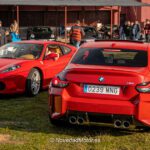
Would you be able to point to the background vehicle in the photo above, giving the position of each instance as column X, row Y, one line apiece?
column 104, row 33
column 90, row 33
column 105, row 82
column 40, row 32
column 115, row 32
column 28, row 66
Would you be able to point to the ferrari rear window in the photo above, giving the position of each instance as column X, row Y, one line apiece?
column 111, row 57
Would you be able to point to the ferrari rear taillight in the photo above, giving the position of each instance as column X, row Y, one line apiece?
column 56, row 82
column 143, row 87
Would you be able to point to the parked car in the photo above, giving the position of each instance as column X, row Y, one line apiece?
column 40, row 32
column 115, row 32
column 90, row 34
column 28, row 66
column 105, row 82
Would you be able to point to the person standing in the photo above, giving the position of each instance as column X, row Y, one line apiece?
column 2, row 34
column 76, row 34
column 136, row 30
column 122, row 35
column 15, row 37
column 15, row 26
column 100, row 30
column 98, row 25
column 131, row 33
column 147, row 31
column 127, row 30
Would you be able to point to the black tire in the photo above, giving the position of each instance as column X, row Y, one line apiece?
column 33, row 83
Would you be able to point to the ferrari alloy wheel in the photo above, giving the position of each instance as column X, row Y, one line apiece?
column 33, row 82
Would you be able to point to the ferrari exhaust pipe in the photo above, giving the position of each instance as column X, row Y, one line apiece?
column 125, row 124
column 117, row 123
column 80, row 120
column 73, row 120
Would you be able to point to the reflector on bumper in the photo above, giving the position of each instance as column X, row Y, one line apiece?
column 57, row 104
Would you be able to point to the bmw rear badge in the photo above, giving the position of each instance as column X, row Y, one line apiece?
column 101, row 79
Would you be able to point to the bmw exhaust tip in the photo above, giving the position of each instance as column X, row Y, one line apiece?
column 125, row 124
column 73, row 120
column 117, row 123
column 80, row 120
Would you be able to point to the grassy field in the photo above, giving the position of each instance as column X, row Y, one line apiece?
column 24, row 125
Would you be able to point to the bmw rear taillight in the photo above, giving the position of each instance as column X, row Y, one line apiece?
column 143, row 87
column 56, row 82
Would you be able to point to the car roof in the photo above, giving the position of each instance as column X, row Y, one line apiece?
column 40, row 42
column 117, row 44
column 40, row 27
column 35, row 27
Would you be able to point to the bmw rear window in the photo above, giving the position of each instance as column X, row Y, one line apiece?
column 111, row 57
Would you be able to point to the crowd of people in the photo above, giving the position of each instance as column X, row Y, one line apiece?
column 134, row 31
column 127, row 31
column 10, row 35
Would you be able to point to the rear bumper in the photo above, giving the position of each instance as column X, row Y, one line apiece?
column 101, row 118
column 96, row 105
column 99, row 106
column 64, row 103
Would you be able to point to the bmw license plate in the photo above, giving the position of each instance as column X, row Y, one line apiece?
column 101, row 89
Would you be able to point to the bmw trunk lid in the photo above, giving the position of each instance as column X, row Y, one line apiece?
column 105, row 82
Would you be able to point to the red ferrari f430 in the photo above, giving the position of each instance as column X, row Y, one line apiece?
column 28, row 66
column 105, row 82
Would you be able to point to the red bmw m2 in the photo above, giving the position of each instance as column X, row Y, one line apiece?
column 105, row 82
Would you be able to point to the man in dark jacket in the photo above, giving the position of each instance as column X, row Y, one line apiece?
column 136, row 30
column 76, row 34
column 2, row 34
column 127, row 30
column 122, row 35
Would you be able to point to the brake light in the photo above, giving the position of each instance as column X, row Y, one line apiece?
column 143, row 87
column 56, row 82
